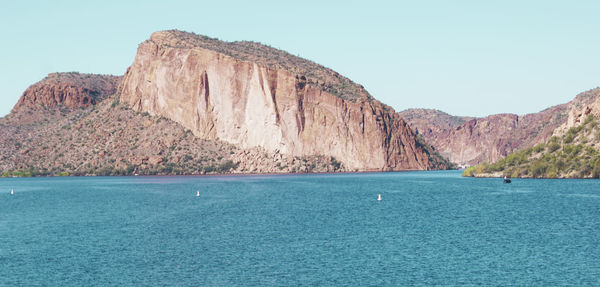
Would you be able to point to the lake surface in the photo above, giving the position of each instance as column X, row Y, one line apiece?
column 431, row 228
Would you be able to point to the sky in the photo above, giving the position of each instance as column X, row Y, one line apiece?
column 467, row 58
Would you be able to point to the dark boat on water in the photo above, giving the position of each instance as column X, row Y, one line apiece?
column 507, row 180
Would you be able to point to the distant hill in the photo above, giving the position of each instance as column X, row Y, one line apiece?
column 470, row 141
column 430, row 122
column 70, row 90
column 572, row 152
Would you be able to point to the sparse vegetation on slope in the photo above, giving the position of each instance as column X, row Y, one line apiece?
column 68, row 90
column 572, row 155
column 315, row 75
column 437, row 160
column 111, row 139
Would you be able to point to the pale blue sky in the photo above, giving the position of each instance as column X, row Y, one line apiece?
column 464, row 57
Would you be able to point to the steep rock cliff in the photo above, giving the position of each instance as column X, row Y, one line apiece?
column 584, row 104
column 490, row 138
column 484, row 139
column 236, row 93
column 70, row 90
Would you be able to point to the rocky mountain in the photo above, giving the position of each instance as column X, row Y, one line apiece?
column 585, row 104
column 251, row 95
column 470, row 141
column 69, row 90
column 572, row 154
column 573, row 151
column 109, row 138
column 191, row 105
column 429, row 122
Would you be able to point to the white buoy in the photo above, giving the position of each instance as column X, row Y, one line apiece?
column 12, row 191
column 197, row 193
column 379, row 197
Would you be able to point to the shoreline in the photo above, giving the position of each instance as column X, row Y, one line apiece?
column 236, row 174
column 529, row 177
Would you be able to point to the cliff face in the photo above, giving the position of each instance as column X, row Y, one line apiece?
column 572, row 152
column 584, row 105
column 111, row 139
column 71, row 90
column 279, row 107
column 472, row 141
column 485, row 139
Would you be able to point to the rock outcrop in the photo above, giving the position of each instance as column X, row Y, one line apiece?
column 238, row 93
column 585, row 104
column 71, row 90
column 472, row 141
column 574, row 153
column 485, row 139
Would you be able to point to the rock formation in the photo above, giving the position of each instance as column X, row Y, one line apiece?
column 195, row 105
column 111, row 139
column 484, row 139
column 470, row 141
column 572, row 152
column 71, row 90
column 429, row 123
column 585, row 104
column 251, row 95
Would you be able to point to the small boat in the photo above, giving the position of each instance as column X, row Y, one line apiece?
column 379, row 197
column 197, row 193
column 12, row 191
column 507, row 180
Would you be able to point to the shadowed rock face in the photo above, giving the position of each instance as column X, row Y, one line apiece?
column 71, row 90
column 250, row 102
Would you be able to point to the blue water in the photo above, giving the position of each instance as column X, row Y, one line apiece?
column 431, row 228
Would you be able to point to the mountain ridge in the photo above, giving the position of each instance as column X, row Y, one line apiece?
column 71, row 90
column 114, row 132
column 489, row 138
column 174, row 75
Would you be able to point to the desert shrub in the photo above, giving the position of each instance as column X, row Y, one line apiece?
column 569, row 138
column 553, row 146
column 586, row 169
column 469, row 171
column 335, row 163
column 497, row 166
column 596, row 168
column 588, row 120
column 226, row 166
column 568, row 149
column 551, row 174
column 539, row 148
column 538, row 168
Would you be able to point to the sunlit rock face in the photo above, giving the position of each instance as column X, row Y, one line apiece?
column 252, row 102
